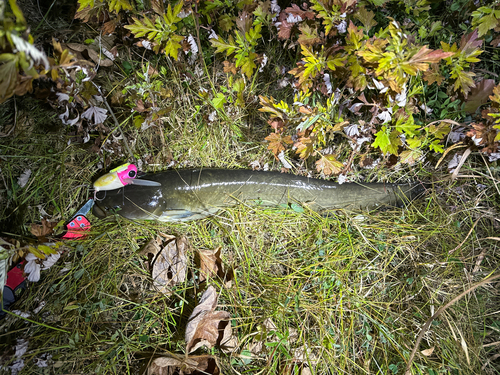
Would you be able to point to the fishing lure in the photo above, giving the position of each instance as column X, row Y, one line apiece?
column 119, row 177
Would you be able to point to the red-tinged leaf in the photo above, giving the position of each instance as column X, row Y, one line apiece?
column 427, row 56
column 479, row 95
column 296, row 11
column 470, row 42
column 285, row 30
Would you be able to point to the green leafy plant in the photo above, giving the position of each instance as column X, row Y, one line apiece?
column 161, row 31
column 241, row 47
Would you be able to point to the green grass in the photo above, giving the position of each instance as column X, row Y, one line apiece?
column 345, row 294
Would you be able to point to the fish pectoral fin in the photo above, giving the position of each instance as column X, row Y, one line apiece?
column 185, row 215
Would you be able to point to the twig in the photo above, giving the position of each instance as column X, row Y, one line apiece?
column 439, row 312
column 462, row 161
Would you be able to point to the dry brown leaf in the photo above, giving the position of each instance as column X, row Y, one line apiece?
column 210, row 263
column 194, row 365
column 207, row 327
column 44, row 229
column 427, row 352
column 229, row 67
column 170, row 261
column 108, row 27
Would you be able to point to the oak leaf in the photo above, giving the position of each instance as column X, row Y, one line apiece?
column 278, row 142
column 207, row 327
column 366, row 17
column 296, row 11
column 285, row 30
column 210, row 265
column 433, row 75
column 43, row 230
column 169, row 264
column 229, row 67
column 201, row 364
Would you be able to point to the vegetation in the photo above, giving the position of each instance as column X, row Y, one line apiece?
column 367, row 90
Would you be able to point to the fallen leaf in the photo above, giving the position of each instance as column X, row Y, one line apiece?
column 479, row 95
column 44, row 229
column 229, row 67
column 210, row 265
column 427, row 352
column 169, row 265
column 194, row 365
column 410, row 156
column 108, row 27
column 207, row 327
column 296, row 11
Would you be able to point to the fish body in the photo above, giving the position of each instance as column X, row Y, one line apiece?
column 194, row 194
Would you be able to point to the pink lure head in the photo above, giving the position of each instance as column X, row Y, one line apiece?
column 127, row 174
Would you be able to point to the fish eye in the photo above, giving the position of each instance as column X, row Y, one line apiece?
column 131, row 174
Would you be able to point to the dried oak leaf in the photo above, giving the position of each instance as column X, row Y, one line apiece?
column 285, row 28
column 193, row 365
column 328, row 164
column 210, row 265
column 207, row 327
column 43, row 230
column 278, row 142
column 108, row 27
column 169, row 263
column 296, row 11
column 229, row 67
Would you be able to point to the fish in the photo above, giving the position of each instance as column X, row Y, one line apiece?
column 192, row 194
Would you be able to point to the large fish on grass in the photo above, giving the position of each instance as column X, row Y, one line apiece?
column 194, row 194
